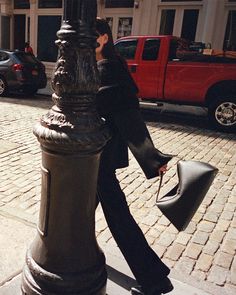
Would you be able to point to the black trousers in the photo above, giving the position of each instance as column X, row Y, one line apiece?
column 146, row 266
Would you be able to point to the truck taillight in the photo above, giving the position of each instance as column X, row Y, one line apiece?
column 17, row 67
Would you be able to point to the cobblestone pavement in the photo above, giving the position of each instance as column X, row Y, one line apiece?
column 203, row 254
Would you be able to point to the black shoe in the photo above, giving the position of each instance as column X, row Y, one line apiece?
column 162, row 288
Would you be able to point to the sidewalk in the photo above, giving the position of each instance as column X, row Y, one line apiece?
column 203, row 256
column 15, row 237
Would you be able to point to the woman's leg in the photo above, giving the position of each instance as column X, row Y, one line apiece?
column 146, row 266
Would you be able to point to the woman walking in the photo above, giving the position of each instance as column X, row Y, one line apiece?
column 117, row 103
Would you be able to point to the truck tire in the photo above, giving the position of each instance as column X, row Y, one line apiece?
column 222, row 113
column 3, row 87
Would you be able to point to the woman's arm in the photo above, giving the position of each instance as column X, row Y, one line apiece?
column 133, row 130
column 117, row 100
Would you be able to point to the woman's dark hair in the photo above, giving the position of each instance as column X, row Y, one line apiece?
column 102, row 27
column 109, row 52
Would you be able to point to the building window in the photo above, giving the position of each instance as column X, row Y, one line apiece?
column 151, row 49
column 119, row 3
column 47, row 50
column 127, row 49
column 189, row 26
column 110, row 22
column 21, row 4
column 50, row 3
column 124, row 26
column 230, row 33
column 167, row 21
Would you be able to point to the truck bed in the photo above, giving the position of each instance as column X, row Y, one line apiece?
column 199, row 57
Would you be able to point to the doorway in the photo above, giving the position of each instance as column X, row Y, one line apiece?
column 179, row 21
column 230, row 32
column 19, row 31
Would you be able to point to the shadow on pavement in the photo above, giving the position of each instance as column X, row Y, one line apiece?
column 184, row 122
column 176, row 117
column 120, row 278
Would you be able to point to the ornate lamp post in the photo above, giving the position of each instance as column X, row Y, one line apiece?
column 64, row 257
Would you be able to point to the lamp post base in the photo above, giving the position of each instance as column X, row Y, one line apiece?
column 64, row 258
column 37, row 281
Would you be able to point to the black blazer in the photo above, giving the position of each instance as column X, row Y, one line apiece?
column 117, row 102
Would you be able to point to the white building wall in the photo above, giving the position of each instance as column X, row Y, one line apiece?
column 213, row 15
column 212, row 19
column 213, row 23
column 33, row 24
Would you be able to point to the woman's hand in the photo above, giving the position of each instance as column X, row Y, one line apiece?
column 163, row 169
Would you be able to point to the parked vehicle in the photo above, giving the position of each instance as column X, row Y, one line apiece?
column 21, row 71
column 165, row 70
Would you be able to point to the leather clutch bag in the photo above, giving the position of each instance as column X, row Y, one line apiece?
column 180, row 204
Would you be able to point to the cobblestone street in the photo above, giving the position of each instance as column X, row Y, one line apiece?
column 203, row 255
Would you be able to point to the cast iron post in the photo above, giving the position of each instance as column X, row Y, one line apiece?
column 64, row 257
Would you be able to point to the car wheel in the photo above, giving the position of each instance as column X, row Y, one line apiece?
column 3, row 87
column 222, row 113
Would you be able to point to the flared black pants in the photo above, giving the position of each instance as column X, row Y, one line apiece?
column 146, row 266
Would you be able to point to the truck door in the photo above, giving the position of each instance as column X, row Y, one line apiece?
column 148, row 69
column 127, row 48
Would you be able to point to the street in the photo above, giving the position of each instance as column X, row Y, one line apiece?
column 203, row 255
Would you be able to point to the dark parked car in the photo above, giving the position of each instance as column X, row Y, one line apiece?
column 21, row 71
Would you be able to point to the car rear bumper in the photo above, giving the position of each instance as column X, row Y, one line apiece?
column 19, row 84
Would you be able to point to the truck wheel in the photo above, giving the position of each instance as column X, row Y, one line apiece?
column 3, row 87
column 222, row 113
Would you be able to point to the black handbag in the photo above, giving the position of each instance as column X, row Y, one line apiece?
column 180, row 204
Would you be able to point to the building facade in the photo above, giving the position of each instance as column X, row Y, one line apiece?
column 37, row 21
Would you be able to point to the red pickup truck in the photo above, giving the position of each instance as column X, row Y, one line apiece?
column 165, row 71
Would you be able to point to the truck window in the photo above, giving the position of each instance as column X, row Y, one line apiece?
column 177, row 46
column 173, row 49
column 127, row 48
column 151, row 49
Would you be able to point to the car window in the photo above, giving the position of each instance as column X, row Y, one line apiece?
column 151, row 49
column 3, row 56
column 25, row 57
column 127, row 48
